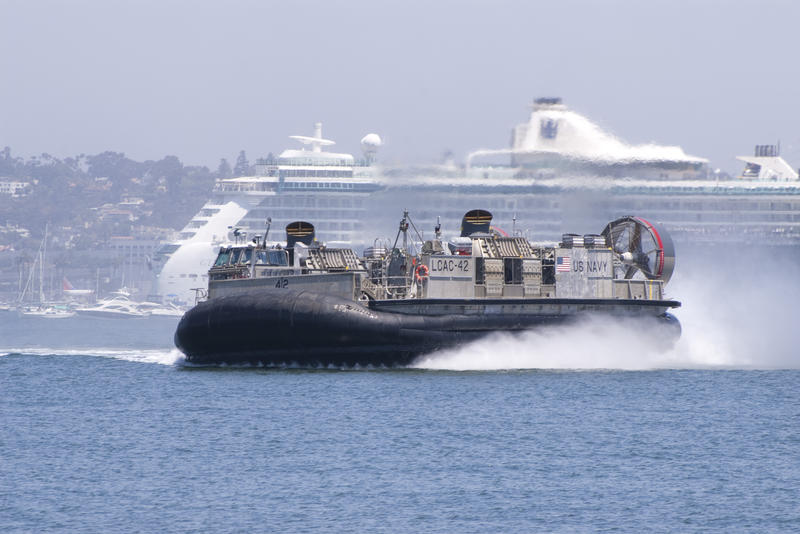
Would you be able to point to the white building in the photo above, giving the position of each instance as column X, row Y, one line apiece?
column 14, row 188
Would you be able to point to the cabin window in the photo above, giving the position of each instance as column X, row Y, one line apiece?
column 246, row 255
column 278, row 257
column 223, row 258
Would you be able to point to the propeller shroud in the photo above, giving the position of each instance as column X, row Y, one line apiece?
column 641, row 247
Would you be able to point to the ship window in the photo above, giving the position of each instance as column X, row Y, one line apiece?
column 246, row 255
column 223, row 258
column 278, row 257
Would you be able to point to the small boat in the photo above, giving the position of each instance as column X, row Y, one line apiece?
column 48, row 312
column 310, row 305
column 160, row 310
column 117, row 307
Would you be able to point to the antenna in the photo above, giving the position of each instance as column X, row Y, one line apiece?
column 236, row 233
column 316, row 142
column 404, row 230
column 269, row 223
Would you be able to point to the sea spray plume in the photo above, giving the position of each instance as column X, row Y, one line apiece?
column 596, row 342
column 740, row 306
column 739, row 312
column 157, row 356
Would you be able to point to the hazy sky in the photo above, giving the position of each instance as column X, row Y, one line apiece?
column 202, row 79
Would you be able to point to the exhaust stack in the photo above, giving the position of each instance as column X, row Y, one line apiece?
column 476, row 222
column 299, row 231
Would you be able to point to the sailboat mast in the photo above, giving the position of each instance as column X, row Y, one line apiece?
column 42, row 255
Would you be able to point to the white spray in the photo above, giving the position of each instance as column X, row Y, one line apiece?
column 157, row 356
column 739, row 312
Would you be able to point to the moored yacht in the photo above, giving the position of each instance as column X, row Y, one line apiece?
column 119, row 306
column 48, row 312
column 155, row 309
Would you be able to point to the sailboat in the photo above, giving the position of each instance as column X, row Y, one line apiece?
column 44, row 310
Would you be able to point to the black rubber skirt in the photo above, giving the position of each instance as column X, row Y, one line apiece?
column 305, row 329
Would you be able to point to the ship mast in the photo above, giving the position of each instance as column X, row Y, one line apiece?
column 316, row 142
column 42, row 254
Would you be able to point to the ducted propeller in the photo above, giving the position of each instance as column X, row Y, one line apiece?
column 641, row 247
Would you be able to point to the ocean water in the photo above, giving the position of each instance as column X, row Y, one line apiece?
column 104, row 428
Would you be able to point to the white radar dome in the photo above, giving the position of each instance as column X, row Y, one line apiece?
column 371, row 141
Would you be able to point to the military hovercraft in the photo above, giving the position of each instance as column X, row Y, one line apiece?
column 309, row 305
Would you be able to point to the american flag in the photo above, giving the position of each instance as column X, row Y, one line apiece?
column 563, row 264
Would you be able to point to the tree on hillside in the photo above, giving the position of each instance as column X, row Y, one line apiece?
column 9, row 165
column 224, row 169
column 51, row 171
column 171, row 170
column 242, row 167
column 113, row 165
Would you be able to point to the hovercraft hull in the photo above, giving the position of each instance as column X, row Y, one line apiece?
column 307, row 329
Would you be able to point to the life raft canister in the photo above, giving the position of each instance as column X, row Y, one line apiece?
column 421, row 273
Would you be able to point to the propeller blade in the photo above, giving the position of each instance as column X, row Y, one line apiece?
column 643, row 262
column 636, row 245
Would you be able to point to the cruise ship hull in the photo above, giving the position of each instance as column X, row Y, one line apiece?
column 306, row 329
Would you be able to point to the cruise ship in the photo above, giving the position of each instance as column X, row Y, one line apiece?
column 309, row 183
column 561, row 170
